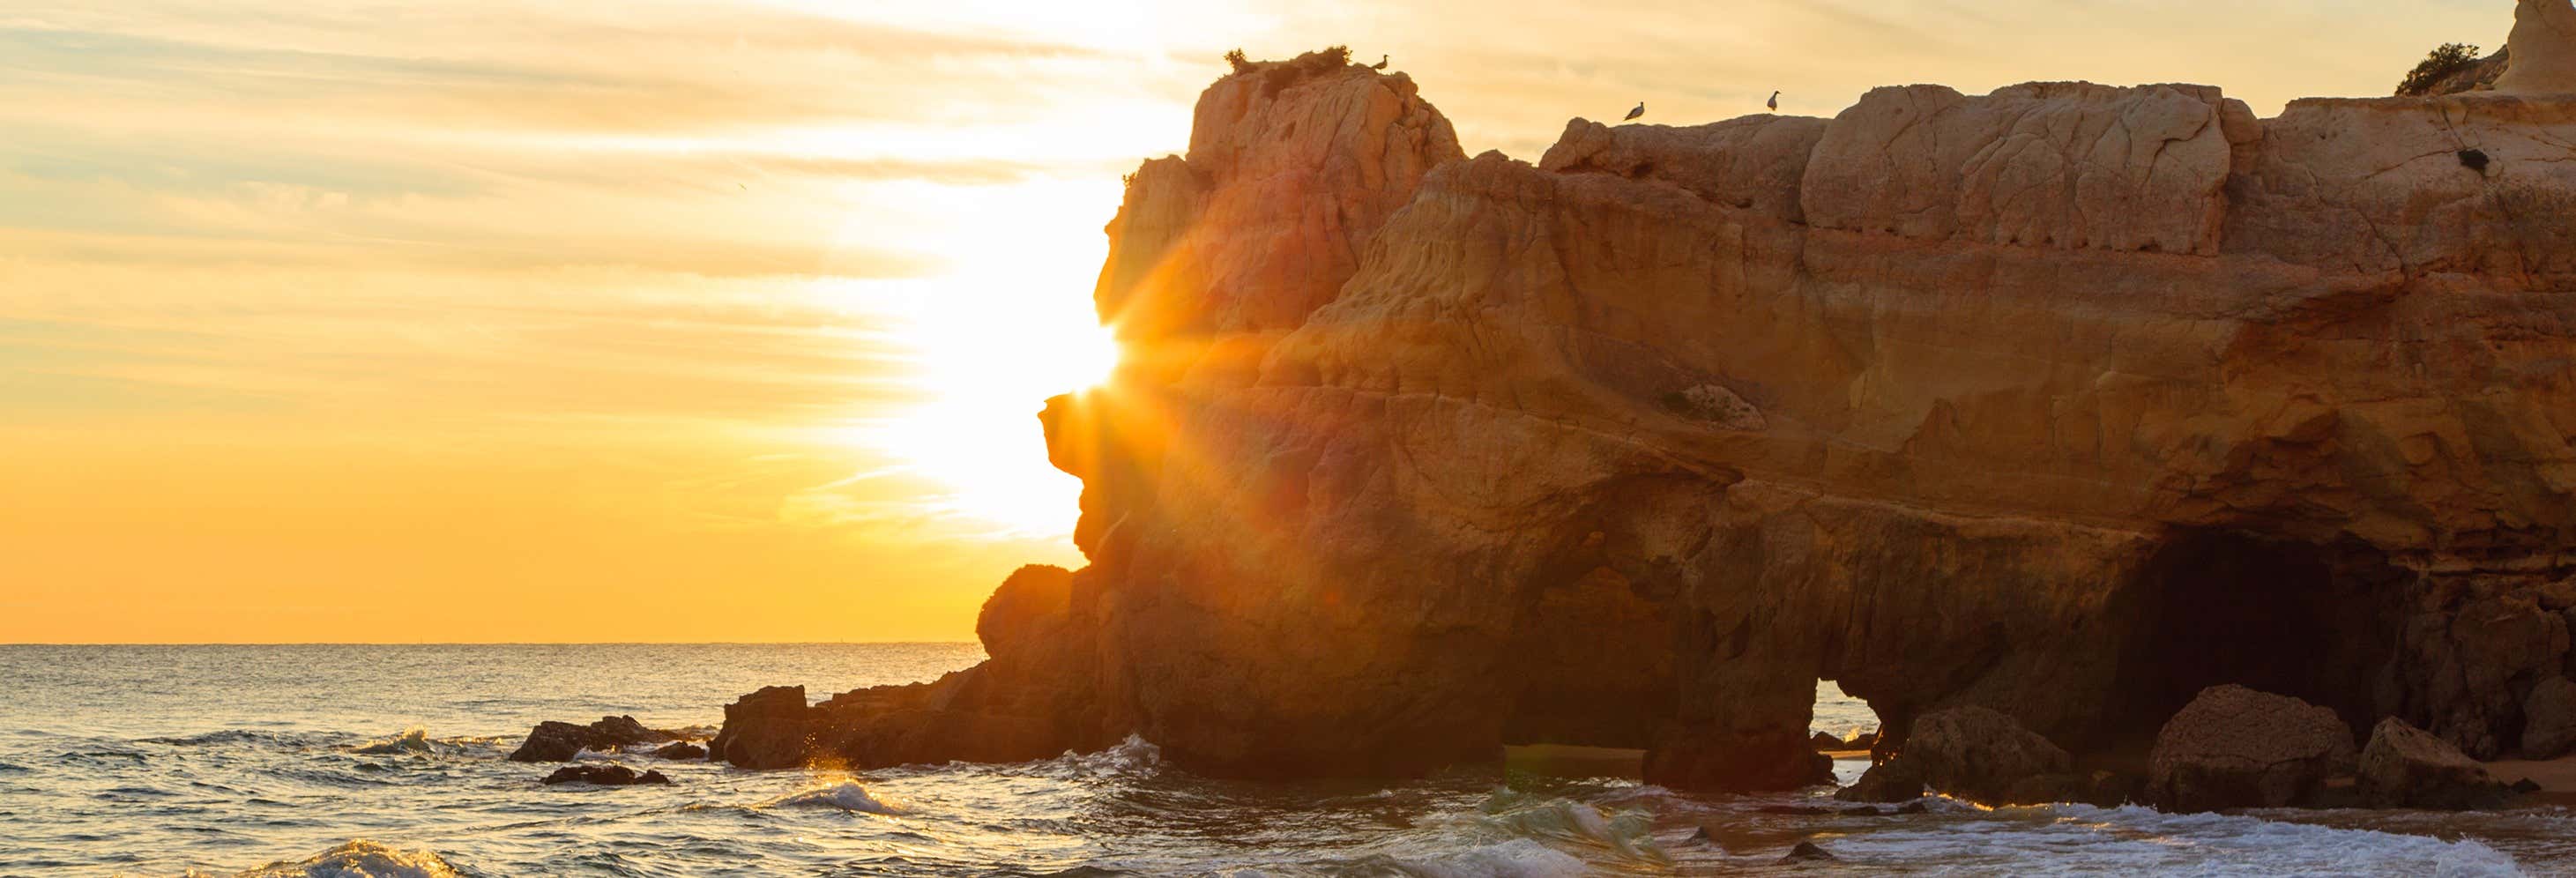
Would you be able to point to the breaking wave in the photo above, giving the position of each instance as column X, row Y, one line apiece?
column 846, row 795
column 357, row 859
column 413, row 740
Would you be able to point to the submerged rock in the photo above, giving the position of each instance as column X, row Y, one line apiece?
column 2405, row 766
column 1808, row 852
column 681, row 750
column 1979, row 753
column 561, row 741
column 2234, row 747
column 610, row 775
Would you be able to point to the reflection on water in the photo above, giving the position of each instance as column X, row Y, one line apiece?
column 154, row 760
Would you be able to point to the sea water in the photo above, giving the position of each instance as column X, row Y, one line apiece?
column 386, row 761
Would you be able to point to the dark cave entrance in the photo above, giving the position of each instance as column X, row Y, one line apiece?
column 2215, row 607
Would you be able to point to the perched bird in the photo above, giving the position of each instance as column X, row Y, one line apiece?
column 1775, row 101
column 1380, row 65
column 1639, row 111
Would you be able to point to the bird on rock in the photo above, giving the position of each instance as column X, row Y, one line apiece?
column 1380, row 65
column 1639, row 111
column 1774, row 103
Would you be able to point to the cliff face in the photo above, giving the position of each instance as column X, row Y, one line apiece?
column 2066, row 400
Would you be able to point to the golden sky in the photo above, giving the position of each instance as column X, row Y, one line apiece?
column 643, row 321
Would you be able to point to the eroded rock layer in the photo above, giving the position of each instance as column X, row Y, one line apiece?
column 2067, row 401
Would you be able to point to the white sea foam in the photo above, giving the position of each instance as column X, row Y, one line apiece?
column 1516, row 858
column 2085, row 840
column 357, row 859
column 846, row 795
column 1130, row 757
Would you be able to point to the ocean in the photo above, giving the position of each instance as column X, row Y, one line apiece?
column 386, row 761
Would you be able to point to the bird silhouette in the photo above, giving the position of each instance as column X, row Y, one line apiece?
column 1380, row 65
column 1639, row 111
column 1775, row 101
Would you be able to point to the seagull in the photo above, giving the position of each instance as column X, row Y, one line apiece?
column 1775, row 100
column 1380, row 65
column 1639, row 111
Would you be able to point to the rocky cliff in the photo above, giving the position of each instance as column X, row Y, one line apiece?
column 2066, row 401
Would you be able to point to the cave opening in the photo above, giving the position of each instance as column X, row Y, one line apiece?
column 2217, row 607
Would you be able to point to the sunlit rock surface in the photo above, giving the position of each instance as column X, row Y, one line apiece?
column 2068, row 401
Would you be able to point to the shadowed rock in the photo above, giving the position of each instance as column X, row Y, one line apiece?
column 2407, row 766
column 1895, row 780
column 2233, row 747
column 560, row 741
column 1982, row 754
column 604, row 775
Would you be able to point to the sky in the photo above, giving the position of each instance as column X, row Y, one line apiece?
column 643, row 321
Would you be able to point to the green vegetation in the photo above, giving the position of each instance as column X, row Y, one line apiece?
column 2445, row 60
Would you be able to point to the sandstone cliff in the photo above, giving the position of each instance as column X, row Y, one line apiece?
column 2067, row 401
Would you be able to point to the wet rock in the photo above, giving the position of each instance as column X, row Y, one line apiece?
column 561, row 741
column 765, row 729
column 1808, row 852
column 1795, row 810
column 1979, row 753
column 2111, row 789
column 2525, row 787
column 2338, row 792
column 1895, row 780
column 2549, row 719
column 681, row 750
column 2405, row 766
column 611, row 775
column 1913, row 807
column 2234, row 747
column 2042, row 789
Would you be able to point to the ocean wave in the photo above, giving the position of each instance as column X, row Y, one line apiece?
column 2083, row 840
column 1516, row 858
column 412, row 740
column 357, row 859
column 1134, row 756
column 846, row 795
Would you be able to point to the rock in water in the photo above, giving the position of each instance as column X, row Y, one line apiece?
column 681, row 750
column 1808, row 852
column 560, row 741
column 2405, row 766
column 1980, row 753
column 2068, row 400
column 2234, row 747
column 604, row 775
column 2549, row 719
column 765, row 729
column 1895, row 780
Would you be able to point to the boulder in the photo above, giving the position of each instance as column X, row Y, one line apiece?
column 610, row 775
column 1979, row 753
column 2111, row 789
column 1823, row 741
column 2234, row 747
column 560, row 741
column 2405, row 766
column 2543, row 48
column 2549, row 719
column 765, row 729
column 1895, row 780
column 681, row 750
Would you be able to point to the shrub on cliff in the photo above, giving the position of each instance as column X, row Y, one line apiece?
column 2447, row 59
column 1234, row 58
